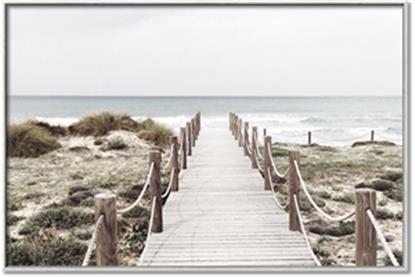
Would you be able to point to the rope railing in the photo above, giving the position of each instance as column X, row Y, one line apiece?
column 310, row 199
column 105, row 242
column 303, row 231
column 150, row 227
column 274, row 168
column 367, row 228
column 137, row 201
column 382, row 239
column 167, row 192
column 274, row 193
column 92, row 241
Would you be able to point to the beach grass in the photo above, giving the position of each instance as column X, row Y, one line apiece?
column 27, row 140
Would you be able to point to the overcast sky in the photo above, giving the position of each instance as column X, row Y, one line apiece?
column 277, row 51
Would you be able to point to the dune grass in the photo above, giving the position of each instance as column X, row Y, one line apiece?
column 27, row 140
column 101, row 124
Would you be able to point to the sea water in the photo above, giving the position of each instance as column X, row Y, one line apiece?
column 332, row 120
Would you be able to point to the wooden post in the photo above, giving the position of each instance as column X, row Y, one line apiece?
column 189, row 138
column 309, row 137
column 246, row 139
column 372, row 135
column 265, row 134
column 240, row 137
column 107, row 239
column 184, row 148
column 155, row 191
column 193, row 124
column 254, row 136
column 235, row 131
column 230, row 121
column 175, row 164
column 365, row 232
column 267, row 163
column 199, row 123
column 294, row 188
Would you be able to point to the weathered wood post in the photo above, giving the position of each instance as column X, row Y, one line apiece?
column 189, row 138
column 235, row 131
column 107, row 239
column 372, row 135
column 184, row 148
column 265, row 134
column 230, row 121
column 254, row 136
column 155, row 191
column 175, row 164
column 309, row 137
column 365, row 232
column 240, row 136
column 246, row 139
column 199, row 123
column 194, row 134
column 294, row 189
column 267, row 163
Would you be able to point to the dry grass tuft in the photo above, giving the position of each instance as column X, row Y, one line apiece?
column 26, row 140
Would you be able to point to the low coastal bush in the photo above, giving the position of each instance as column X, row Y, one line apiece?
column 55, row 130
column 50, row 252
column 26, row 140
column 101, row 124
column 375, row 142
column 158, row 134
column 60, row 218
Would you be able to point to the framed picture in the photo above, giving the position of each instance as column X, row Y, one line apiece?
column 212, row 136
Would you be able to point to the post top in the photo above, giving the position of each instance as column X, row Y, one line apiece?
column 105, row 195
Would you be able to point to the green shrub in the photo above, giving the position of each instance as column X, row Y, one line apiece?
column 376, row 142
column 53, row 130
column 101, row 124
column 28, row 141
column 51, row 252
column 158, row 134
column 61, row 218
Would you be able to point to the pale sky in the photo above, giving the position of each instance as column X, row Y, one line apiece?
column 181, row 50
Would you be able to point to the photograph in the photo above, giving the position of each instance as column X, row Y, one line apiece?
column 200, row 137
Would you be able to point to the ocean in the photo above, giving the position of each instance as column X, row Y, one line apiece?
column 333, row 121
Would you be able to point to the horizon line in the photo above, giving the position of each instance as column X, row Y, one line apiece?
column 194, row 96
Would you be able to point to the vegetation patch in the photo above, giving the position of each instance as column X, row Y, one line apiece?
column 60, row 218
column 336, row 230
column 13, row 219
column 50, row 252
column 158, row 134
column 55, row 130
column 278, row 151
column 26, row 140
column 375, row 142
column 101, row 124
column 345, row 197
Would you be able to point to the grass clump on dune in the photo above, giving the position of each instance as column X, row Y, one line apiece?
column 156, row 133
column 101, row 124
column 51, row 252
column 60, row 218
column 27, row 140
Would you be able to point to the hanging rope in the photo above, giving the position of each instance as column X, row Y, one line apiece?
column 382, row 238
column 93, row 241
column 279, row 175
column 274, row 194
column 320, row 211
column 150, row 226
column 167, row 192
column 303, row 231
column 137, row 201
column 168, row 164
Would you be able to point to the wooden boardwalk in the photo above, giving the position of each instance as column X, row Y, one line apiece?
column 222, row 216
